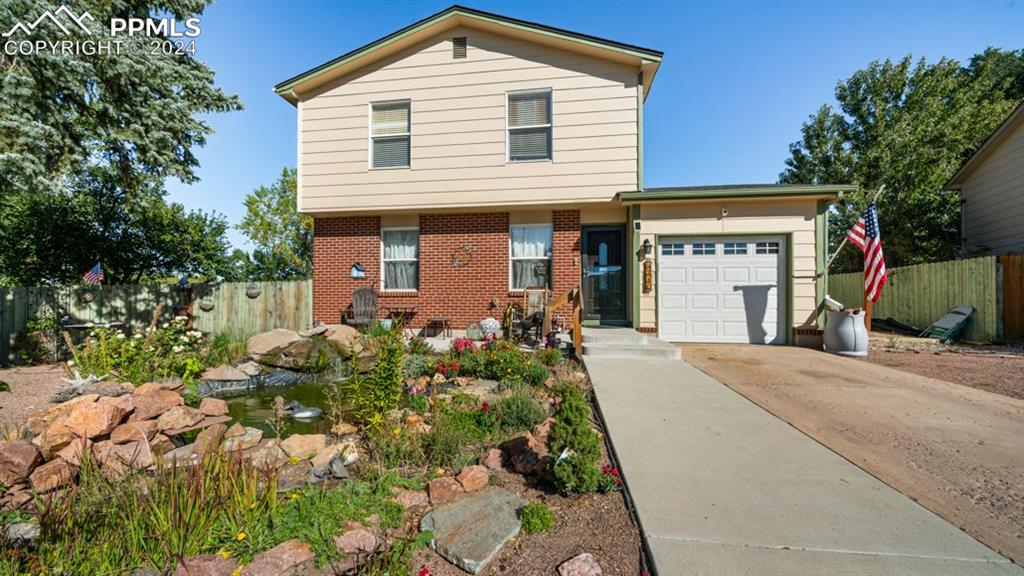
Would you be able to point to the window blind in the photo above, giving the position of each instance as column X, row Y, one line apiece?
column 529, row 126
column 390, row 134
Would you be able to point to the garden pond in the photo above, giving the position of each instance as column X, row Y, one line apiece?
column 255, row 406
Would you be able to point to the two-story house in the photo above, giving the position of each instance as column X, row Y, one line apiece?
column 468, row 156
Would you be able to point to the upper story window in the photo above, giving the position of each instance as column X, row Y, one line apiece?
column 389, row 134
column 529, row 125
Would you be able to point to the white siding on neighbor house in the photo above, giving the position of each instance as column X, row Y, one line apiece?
column 753, row 217
column 994, row 199
column 458, row 129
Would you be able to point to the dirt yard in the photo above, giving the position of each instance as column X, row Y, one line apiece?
column 31, row 389
column 957, row 450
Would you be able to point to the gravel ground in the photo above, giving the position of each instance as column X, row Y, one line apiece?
column 954, row 449
column 595, row 523
column 31, row 389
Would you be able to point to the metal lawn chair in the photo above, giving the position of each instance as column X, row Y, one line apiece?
column 949, row 327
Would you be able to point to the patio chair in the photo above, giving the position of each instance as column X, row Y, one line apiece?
column 364, row 307
column 949, row 327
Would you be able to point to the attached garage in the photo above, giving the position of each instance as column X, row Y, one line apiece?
column 730, row 264
column 722, row 289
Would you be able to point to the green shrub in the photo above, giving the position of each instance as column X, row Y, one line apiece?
column 394, row 447
column 418, row 346
column 417, row 365
column 379, row 391
column 534, row 373
column 456, row 437
column 536, row 517
column 38, row 342
column 225, row 347
column 167, row 350
column 518, row 412
column 571, row 433
column 418, row 403
column 549, row 357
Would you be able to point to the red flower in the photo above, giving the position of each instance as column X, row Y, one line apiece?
column 485, row 407
column 424, row 572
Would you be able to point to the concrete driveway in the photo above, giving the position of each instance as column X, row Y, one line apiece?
column 956, row 450
column 722, row 487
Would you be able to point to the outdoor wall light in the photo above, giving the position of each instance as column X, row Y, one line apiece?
column 648, row 247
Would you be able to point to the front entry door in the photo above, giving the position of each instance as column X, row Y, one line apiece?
column 604, row 274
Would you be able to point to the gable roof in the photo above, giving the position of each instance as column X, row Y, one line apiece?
column 1012, row 122
column 645, row 58
column 734, row 191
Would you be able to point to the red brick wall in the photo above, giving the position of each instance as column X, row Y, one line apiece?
column 462, row 293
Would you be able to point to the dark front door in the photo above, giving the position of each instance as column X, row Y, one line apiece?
column 604, row 274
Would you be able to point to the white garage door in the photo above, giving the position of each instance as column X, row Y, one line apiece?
column 722, row 289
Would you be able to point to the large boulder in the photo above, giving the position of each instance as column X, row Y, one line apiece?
column 470, row 531
column 288, row 558
column 343, row 338
column 303, row 445
column 95, row 419
column 40, row 421
column 224, row 372
column 154, row 402
column 17, row 460
column 270, row 343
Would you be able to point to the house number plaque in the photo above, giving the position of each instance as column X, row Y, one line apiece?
column 648, row 276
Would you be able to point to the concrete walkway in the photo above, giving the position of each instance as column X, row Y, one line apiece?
column 724, row 488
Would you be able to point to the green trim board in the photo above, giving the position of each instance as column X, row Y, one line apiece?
column 456, row 10
column 634, row 248
column 732, row 191
column 820, row 256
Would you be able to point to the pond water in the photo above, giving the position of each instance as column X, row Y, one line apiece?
column 255, row 407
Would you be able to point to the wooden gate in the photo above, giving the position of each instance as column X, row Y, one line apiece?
column 1013, row 296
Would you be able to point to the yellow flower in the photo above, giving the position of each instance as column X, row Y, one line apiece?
column 294, row 496
column 237, row 571
column 252, row 506
column 397, row 431
column 224, row 553
column 295, row 459
column 240, row 536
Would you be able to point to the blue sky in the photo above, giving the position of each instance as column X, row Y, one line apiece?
column 737, row 80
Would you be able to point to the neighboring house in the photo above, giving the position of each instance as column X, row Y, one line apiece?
column 468, row 156
column 991, row 186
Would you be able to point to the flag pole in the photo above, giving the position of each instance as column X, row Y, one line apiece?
column 867, row 302
column 845, row 238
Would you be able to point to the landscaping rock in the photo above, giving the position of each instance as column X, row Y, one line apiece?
column 443, row 490
column 313, row 331
column 473, row 478
column 181, row 456
column 541, row 431
column 493, row 459
column 54, row 439
column 438, row 379
column 224, row 372
column 337, row 468
column 209, row 439
column 94, row 419
column 267, row 343
column 21, row 534
column 76, row 450
column 161, row 445
column 179, row 417
column 235, row 430
column 250, row 437
column 470, row 531
column 295, row 475
column 409, row 499
column 149, row 387
column 206, row 565
column 123, row 456
column 52, row 475
column 349, row 450
column 154, row 402
column 323, row 458
column 250, row 368
column 204, row 423
column 17, row 460
column 134, row 431
column 213, row 407
column 357, row 541
column 481, row 389
column 343, row 338
column 113, row 389
column 40, row 421
column 414, row 423
column 306, row 355
column 267, row 454
column 344, row 429
column 144, row 571
column 582, row 565
column 303, row 445
column 288, row 558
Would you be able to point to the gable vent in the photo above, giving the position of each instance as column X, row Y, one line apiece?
column 459, row 47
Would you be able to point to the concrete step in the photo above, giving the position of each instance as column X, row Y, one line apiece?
column 613, row 335
column 653, row 348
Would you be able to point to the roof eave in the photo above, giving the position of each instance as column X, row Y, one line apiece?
column 667, row 195
column 649, row 58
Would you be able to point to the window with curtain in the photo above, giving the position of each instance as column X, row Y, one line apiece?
column 529, row 126
column 531, row 256
column 389, row 135
column 401, row 259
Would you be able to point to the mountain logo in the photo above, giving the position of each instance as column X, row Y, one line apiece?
column 55, row 17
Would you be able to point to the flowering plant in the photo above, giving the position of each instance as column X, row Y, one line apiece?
column 610, row 480
column 460, row 345
column 447, row 369
column 487, row 417
column 169, row 349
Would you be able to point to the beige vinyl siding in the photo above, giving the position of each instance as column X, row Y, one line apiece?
column 994, row 199
column 459, row 154
column 746, row 217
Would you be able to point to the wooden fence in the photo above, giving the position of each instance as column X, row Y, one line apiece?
column 921, row 294
column 1013, row 296
column 278, row 305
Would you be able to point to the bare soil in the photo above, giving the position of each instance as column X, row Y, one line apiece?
column 957, row 450
column 31, row 389
column 595, row 523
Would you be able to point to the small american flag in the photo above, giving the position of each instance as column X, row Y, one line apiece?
column 94, row 276
column 866, row 236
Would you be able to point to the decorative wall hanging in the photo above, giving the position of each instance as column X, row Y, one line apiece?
column 87, row 297
column 252, row 290
column 462, row 256
column 206, row 305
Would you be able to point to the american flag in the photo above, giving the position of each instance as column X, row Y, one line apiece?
column 94, row 276
column 866, row 236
